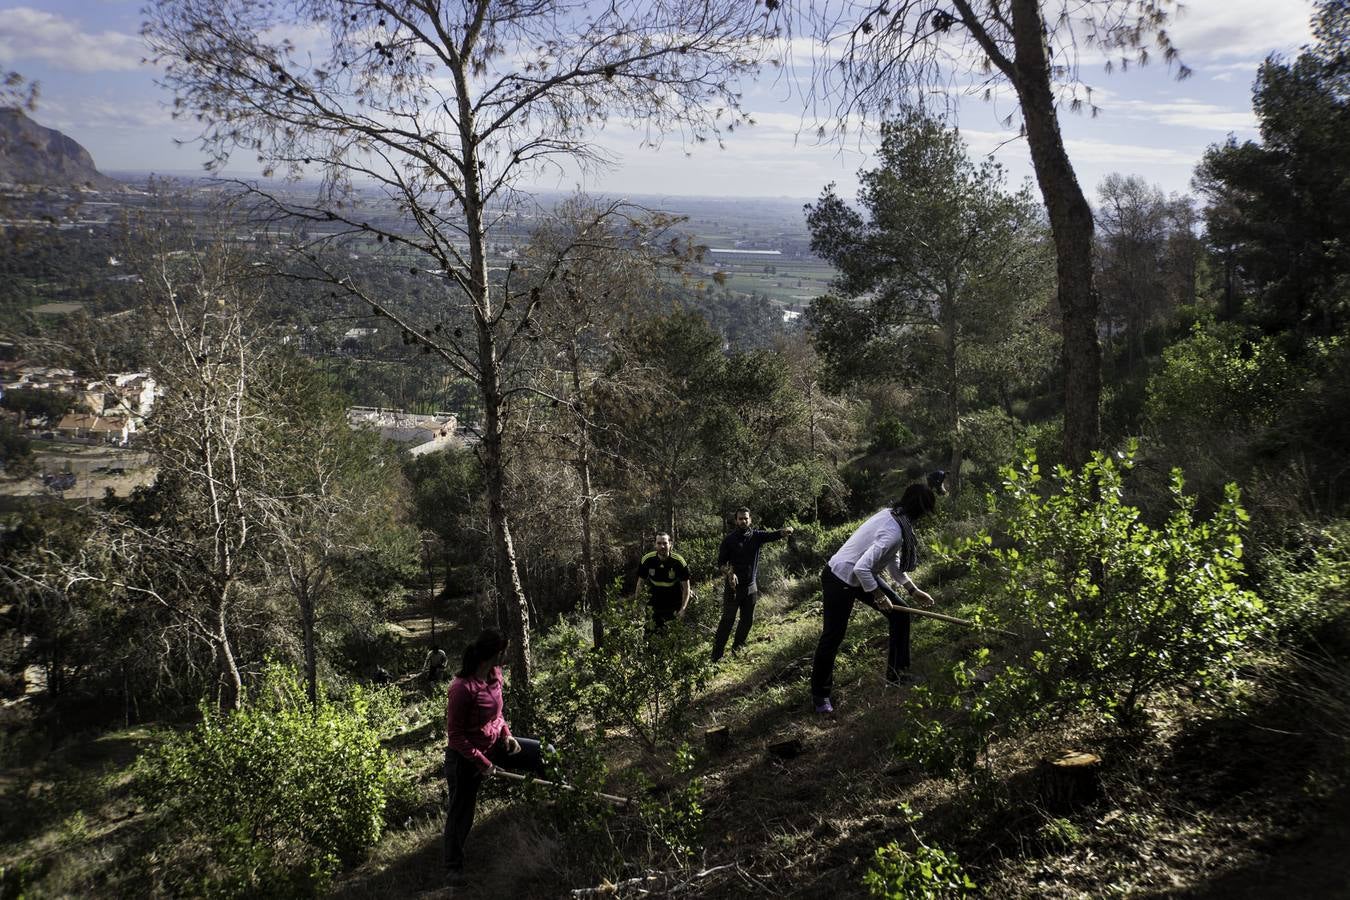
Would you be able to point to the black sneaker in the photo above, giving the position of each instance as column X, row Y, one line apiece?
column 905, row 679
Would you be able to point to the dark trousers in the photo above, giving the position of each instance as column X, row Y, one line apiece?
column 663, row 613
column 464, row 779
column 735, row 599
column 839, row 600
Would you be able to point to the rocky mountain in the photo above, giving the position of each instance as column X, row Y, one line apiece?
column 34, row 154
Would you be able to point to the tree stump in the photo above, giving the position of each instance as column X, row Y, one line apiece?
column 788, row 749
column 717, row 739
column 1069, row 780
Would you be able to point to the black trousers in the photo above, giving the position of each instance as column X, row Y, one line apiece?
column 464, row 779
column 839, row 600
column 739, row 599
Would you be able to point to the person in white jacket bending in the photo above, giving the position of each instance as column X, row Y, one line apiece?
column 884, row 543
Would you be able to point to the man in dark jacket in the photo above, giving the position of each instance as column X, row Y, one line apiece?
column 739, row 558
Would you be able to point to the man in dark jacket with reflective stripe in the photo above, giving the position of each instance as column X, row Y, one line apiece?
column 739, row 559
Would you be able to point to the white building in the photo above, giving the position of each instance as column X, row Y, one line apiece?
column 421, row 434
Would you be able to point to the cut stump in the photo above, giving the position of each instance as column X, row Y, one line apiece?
column 717, row 739
column 1069, row 780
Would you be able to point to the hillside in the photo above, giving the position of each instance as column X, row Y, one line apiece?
column 1215, row 800
column 33, row 154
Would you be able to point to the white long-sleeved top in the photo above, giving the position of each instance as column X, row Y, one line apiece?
column 871, row 550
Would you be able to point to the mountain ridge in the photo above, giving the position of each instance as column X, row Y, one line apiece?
column 33, row 154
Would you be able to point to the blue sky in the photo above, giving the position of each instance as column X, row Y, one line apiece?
column 87, row 57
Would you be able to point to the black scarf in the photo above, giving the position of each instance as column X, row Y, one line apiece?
column 908, row 557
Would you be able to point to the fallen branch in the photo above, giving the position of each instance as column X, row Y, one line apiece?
column 610, row 888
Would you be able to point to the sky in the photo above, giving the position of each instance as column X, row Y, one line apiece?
column 87, row 58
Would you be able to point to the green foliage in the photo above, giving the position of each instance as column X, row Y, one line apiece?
column 944, row 278
column 15, row 450
column 38, row 403
column 993, row 438
column 572, row 703
column 924, row 873
column 273, row 799
column 813, row 544
column 1059, row 834
column 1279, row 210
column 1120, row 608
column 642, row 680
column 1221, row 374
column 948, row 734
column 1308, row 584
column 1112, row 608
column 889, row 433
column 675, row 817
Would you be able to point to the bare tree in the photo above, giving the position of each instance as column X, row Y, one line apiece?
column 597, row 263
column 332, row 496
column 443, row 108
column 205, row 437
column 912, row 48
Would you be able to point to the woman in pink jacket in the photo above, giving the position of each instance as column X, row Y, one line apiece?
column 478, row 741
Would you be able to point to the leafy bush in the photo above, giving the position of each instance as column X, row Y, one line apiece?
column 1120, row 607
column 1110, row 607
column 1220, row 374
column 889, row 433
column 1309, row 584
column 924, row 873
column 575, row 706
column 992, row 438
column 272, row 799
column 948, row 734
column 813, row 545
column 642, row 679
column 675, row 818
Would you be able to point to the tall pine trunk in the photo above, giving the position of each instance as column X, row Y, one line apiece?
column 1072, row 225
column 506, row 577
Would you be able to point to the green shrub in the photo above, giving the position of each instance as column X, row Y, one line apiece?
column 1119, row 608
column 1220, row 374
column 576, row 706
column 924, row 873
column 1059, row 834
column 675, row 817
column 272, row 799
column 889, row 433
column 642, row 680
column 948, row 734
column 813, row 545
column 1109, row 608
column 992, row 438
column 1309, row 584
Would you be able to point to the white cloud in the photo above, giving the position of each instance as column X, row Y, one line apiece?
column 1090, row 150
column 1222, row 29
column 1187, row 114
column 33, row 34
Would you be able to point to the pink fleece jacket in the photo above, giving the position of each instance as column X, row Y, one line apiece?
column 473, row 717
